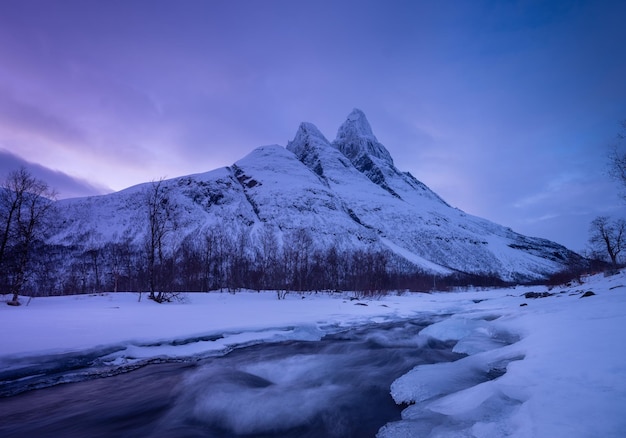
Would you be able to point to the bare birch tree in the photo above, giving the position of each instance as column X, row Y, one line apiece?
column 161, row 222
column 608, row 236
column 25, row 203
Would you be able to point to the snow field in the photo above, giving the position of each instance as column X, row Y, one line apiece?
column 565, row 377
column 555, row 367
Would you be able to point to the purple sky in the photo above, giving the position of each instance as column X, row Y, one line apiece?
column 505, row 109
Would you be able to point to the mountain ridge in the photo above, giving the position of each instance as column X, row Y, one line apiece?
column 346, row 193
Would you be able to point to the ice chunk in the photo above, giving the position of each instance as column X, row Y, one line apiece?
column 464, row 400
column 473, row 335
column 454, row 329
column 426, row 381
column 207, row 345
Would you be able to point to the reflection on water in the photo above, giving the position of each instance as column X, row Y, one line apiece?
column 338, row 386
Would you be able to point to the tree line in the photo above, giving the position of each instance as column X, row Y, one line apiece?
column 218, row 259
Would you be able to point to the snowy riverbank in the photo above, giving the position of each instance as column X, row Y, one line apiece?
column 558, row 363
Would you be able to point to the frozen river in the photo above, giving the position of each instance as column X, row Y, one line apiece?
column 338, row 386
column 472, row 363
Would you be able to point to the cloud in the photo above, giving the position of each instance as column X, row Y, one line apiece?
column 65, row 185
column 487, row 105
column 21, row 117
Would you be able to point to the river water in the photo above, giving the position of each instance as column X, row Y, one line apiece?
column 335, row 387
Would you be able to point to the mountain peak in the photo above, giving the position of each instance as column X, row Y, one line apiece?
column 307, row 144
column 306, row 140
column 357, row 122
column 355, row 138
column 307, row 132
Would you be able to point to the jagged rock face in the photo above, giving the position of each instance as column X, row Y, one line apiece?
column 357, row 142
column 347, row 193
column 307, row 146
column 355, row 139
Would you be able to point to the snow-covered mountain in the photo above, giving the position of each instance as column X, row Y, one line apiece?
column 346, row 193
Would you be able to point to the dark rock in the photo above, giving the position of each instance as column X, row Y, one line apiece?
column 587, row 294
column 537, row 294
column 523, row 304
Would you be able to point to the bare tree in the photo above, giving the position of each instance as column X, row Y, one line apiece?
column 189, row 266
column 333, row 268
column 608, row 236
column 302, row 244
column 94, row 252
column 267, row 256
column 25, row 203
column 161, row 221
column 239, row 261
column 209, row 259
column 118, row 255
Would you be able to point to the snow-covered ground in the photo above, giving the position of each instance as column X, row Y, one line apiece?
column 558, row 363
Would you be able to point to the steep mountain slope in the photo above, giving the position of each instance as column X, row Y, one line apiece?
column 347, row 193
column 412, row 220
